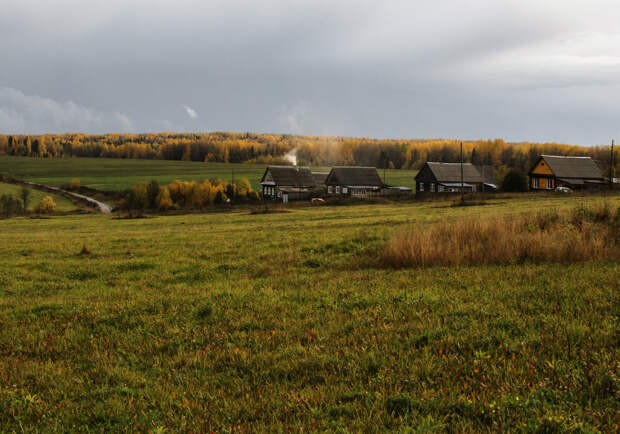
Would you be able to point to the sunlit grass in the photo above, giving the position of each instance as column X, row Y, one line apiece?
column 279, row 321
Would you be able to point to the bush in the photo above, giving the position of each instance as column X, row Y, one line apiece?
column 163, row 200
column 244, row 187
column 152, row 192
column 514, row 181
column 220, row 197
column 10, row 206
column 25, row 196
column 75, row 184
column 47, row 205
column 186, row 194
column 136, row 199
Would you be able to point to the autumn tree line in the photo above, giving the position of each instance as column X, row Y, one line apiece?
column 310, row 150
column 186, row 195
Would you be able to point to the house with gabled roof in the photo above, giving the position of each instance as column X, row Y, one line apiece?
column 287, row 183
column 435, row 177
column 552, row 171
column 353, row 181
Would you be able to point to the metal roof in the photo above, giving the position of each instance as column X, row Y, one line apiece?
column 572, row 167
column 451, row 172
column 288, row 176
column 353, row 176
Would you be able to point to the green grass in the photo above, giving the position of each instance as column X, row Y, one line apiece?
column 62, row 203
column 120, row 174
column 279, row 321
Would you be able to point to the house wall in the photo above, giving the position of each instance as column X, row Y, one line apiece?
column 541, row 177
column 545, row 182
column 541, row 168
column 424, row 179
column 269, row 191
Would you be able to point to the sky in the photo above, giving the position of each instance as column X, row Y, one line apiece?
column 544, row 70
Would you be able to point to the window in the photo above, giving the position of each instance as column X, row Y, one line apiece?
column 421, row 184
column 535, row 182
column 548, row 183
column 330, row 189
column 344, row 190
column 337, row 189
column 439, row 187
column 473, row 188
column 432, row 187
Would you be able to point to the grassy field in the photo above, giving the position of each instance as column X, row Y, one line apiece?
column 281, row 321
column 62, row 203
column 120, row 174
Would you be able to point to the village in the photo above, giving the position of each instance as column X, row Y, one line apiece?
column 550, row 173
column 309, row 216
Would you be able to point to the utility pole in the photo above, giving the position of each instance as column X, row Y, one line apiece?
column 462, row 185
column 611, row 166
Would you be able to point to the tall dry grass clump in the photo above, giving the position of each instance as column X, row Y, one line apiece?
column 582, row 234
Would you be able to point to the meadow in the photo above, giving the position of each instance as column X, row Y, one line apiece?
column 277, row 322
column 120, row 174
column 62, row 203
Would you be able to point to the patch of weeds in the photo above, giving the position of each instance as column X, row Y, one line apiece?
column 352, row 397
column 224, row 268
column 605, row 385
column 398, row 405
column 203, row 312
column 422, row 340
column 311, row 264
column 83, row 275
column 191, row 273
column 361, row 304
column 340, row 411
column 547, row 425
column 370, row 365
column 85, row 251
column 138, row 266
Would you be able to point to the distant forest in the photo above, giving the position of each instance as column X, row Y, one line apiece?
column 310, row 150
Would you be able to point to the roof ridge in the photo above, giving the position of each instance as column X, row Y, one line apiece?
column 565, row 156
column 353, row 167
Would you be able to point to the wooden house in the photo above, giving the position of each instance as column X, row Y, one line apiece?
column 353, row 181
column 446, row 178
column 552, row 171
column 287, row 183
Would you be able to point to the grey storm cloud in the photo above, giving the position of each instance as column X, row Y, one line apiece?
column 521, row 70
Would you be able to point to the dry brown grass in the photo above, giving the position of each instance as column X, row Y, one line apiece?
column 581, row 235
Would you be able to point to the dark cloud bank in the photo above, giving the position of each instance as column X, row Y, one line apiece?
column 521, row 70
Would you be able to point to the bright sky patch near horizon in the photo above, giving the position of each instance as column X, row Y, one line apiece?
column 521, row 70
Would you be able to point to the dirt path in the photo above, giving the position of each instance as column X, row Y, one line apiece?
column 102, row 207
